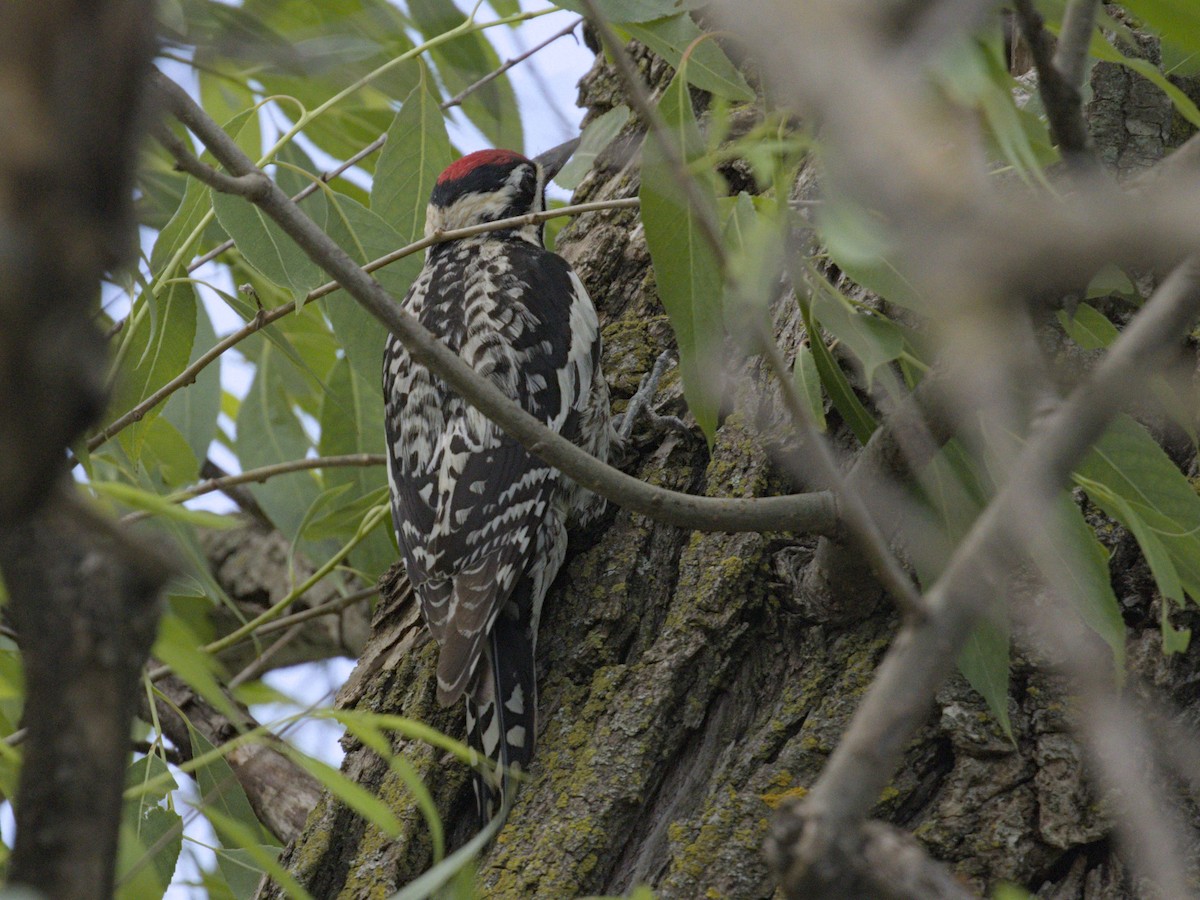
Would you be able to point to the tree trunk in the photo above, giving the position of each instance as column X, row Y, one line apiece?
column 688, row 686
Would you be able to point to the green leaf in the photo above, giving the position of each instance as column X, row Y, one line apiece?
column 858, row 243
column 166, row 459
column 596, row 136
column 268, row 432
column 194, row 409
column 266, row 247
column 875, row 340
column 754, row 261
column 708, row 68
column 156, row 351
column 250, row 856
column 416, row 152
column 1177, row 22
column 1085, row 564
column 153, row 503
column 351, row 793
column 1133, row 480
column 1088, row 328
column 622, row 12
column 685, row 265
column 845, row 401
column 151, row 835
column 984, row 662
column 178, row 647
column 1108, row 281
column 808, row 384
column 351, row 418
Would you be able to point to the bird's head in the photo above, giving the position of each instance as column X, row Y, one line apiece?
column 492, row 184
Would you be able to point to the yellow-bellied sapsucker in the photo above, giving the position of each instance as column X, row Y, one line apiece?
column 481, row 523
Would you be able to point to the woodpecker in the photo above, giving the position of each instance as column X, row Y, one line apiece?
column 481, row 523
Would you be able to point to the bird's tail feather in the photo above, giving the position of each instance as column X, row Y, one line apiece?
column 502, row 714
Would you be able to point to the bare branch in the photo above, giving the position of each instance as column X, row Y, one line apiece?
column 1061, row 95
column 248, row 186
column 801, row 512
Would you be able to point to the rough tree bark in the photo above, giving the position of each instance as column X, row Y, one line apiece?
column 690, row 683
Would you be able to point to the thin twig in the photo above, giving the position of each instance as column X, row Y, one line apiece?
column 246, row 185
column 1078, row 26
column 458, row 98
column 259, row 475
column 800, row 512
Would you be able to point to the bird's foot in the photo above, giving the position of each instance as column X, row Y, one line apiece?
column 639, row 404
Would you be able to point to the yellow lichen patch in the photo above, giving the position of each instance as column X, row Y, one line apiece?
column 775, row 800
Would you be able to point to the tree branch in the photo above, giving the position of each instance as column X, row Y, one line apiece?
column 802, row 512
column 1061, row 95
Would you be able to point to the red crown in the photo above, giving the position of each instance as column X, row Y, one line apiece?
column 473, row 161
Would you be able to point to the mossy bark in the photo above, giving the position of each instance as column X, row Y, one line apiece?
column 685, row 692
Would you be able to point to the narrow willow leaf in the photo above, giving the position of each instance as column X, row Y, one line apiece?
column 265, row 245
column 686, row 269
column 874, row 340
column 859, row 245
column 148, row 852
column 153, row 503
column 269, row 432
column 157, row 350
column 1108, row 281
column 621, row 12
column 984, row 662
column 194, row 409
column 416, row 152
column 151, row 835
column 178, row 647
column 596, row 136
column 808, row 384
column 166, row 461
column 1129, row 473
column 249, row 853
column 708, row 68
column 845, row 401
column 351, row 793
column 351, row 417
column 1084, row 562
column 220, row 789
column 1088, row 328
